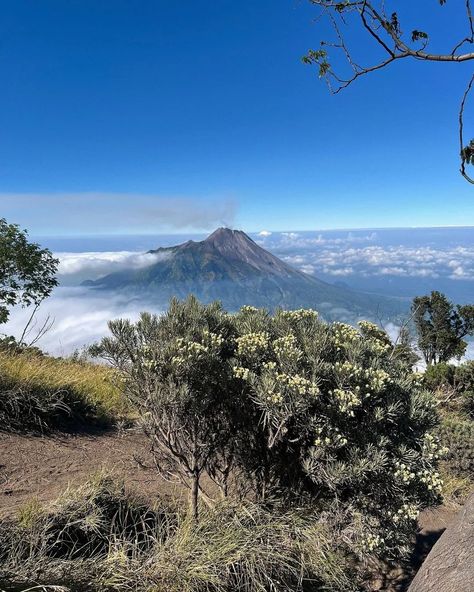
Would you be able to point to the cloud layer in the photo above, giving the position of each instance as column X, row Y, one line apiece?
column 80, row 317
column 348, row 255
column 77, row 267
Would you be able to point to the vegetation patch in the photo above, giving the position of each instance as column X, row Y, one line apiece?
column 101, row 538
column 38, row 392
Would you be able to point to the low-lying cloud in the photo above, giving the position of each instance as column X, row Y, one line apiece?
column 77, row 267
column 79, row 317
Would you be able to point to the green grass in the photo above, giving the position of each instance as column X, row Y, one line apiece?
column 39, row 392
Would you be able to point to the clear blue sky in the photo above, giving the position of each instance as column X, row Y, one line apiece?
column 165, row 115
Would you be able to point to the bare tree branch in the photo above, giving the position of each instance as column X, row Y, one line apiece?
column 387, row 33
column 461, row 132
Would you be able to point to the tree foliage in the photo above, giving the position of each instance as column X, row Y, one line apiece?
column 441, row 327
column 27, row 272
column 326, row 414
column 391, row 35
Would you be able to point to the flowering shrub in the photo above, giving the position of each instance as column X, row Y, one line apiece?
column 344, row 421
column 322, row 414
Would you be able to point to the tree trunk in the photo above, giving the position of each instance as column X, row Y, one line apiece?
column 449, row 566
column 194, row 499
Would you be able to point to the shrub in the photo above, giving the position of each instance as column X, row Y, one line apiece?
column 464, row 376
column 325, row 414
column 467, row 403
column 344, row 421
column 176, row 372
column 457, row 434
column 38, row 392
column 438, row 376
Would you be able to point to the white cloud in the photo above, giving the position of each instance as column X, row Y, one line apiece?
column 264, row 233
column 76, row 267
column 80, row 318
column 340, row 256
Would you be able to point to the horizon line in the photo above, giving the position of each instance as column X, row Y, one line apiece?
column 197, row 232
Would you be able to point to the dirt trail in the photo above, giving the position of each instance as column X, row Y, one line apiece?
column 43, row 467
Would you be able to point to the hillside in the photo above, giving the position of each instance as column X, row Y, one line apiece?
column 229, row 266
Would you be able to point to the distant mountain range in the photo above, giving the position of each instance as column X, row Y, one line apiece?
column 229, row 266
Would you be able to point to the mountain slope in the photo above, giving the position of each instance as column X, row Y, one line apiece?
column 229, row 266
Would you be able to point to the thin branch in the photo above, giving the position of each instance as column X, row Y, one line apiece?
column 461, row 131
column 30, row 320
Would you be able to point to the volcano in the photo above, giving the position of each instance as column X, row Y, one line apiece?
column 229, row 266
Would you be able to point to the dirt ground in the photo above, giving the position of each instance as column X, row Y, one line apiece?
column 43, row 467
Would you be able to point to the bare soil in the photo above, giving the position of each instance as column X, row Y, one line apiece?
column 42, row 467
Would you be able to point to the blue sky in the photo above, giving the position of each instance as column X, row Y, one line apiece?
column 166, row 116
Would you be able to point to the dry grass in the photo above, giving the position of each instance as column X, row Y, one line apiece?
column 37, row 390
column 99, row 538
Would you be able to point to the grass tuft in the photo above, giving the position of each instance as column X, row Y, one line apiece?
column 100, row 538
column 40, row 393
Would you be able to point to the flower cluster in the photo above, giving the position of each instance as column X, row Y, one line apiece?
column 432, row 481
column 252, row 343
column 372, row 542
column 378, row 339
column 248, row 309
column 297, row 384
column 299, row 315
column 378, row 347
column 377, row 379
column 370, row 379
column 346, row 400
column 276, row 398
column 242, row 373
column 213, row 340
column 344, row 335
column 269, row 365
column 188, row 351
column 432, row 448
column 406, row 512
column 404, row 473
column 285, row 347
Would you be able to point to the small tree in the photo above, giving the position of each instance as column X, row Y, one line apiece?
column 441, row 327
column 27, row 272
column 176, row 372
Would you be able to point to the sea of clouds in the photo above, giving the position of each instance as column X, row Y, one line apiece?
column 391, row 262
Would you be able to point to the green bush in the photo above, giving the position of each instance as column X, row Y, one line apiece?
column 457, row 434
column 439, row 376
column 467, row 403
column 296, row 408
column 464, row 376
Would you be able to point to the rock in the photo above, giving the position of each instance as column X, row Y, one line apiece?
column 449, row 566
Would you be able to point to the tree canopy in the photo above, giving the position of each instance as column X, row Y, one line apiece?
column 27, row 272
column 391, row 35
column 441, row 327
